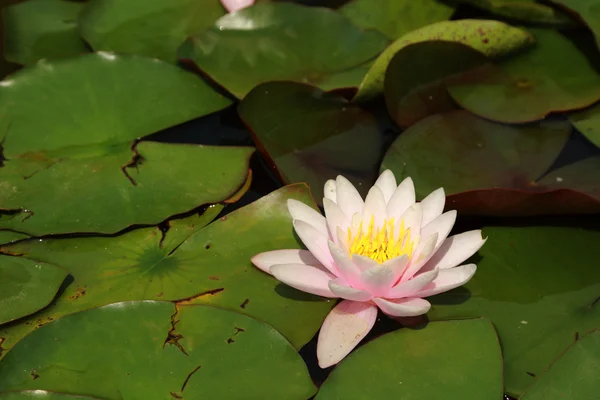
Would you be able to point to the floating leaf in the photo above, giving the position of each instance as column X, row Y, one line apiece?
column 36, row 29
column 554, row 76
column 152, row 28
column 283, row 41
column 396, row 17
column 539, row 286
column 587, row 10
column 192, row 263
column 70, row 129
column 492, row 38
column 41, row 395
column 494, row 169
column 301, row 130
column 26, row 286
column 462, row 357
column 588, row 123
column 521, row 10
column 156, row 350
column 574, row 375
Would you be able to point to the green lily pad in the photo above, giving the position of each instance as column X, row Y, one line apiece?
column 539, row 286
column 521, row 10
column 462, row 358
column 300, row 130
column 416, row 79
column 190, row 264
column 588, row 123
column 494, row 169
column 36, row 29
column 41, row 395
column 554, row 76
column 156, row 350
column 587, row 10
column 396, row 17
column 492, row 38
column 26, row 286
column 152, row 28
column 574, row 375
column 70, row 129
column 283, row 41
column 9, row 236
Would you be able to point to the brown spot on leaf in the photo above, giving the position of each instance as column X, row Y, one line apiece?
column 187, row 378
column 175, row 395
column 238, row 330
column 191, row 299
column 34, row 374
column 230, row 340
column 245, row 303
column 79, row 292
column 531, row 374
column 213, row 278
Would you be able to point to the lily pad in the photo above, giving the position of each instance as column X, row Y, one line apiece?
column 152, row 28
column 70, row 141
column 574, row 375
column 521, row 10
column 156, row 350
column 26, row 286
column 190, row 264
column 41, row 395
column 494, row 169
column 36, row 29
column 492, row 38
column 554, row 76
column 396, row 17
column 587, row 10
column 463, row 358
column 539, row 286
column 283, row 41
column 301, row 129
column 588, row 123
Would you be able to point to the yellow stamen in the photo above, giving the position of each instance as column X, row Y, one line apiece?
column 381, row 244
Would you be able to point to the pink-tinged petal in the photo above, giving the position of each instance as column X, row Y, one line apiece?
column 410, row 287
column 449, row 279
column 330, row 190
column 441, row 225
column 412, row 221
column 387, row 183
column 363, row 263
column 455, row 250
column 403, row 307
column 348, row 197
column 335, row 218
column 341, row 289
column 374, row 208
column 397, row 265
column 422, row 254
column 316, row 243
column 403, row 197
column 305, row 278
column 342, row 239
column 345, row 326
column 301, row 211
column 433, row 205
column 377, row 280
column 234, row 5
column 264, row 261
column 348, row 270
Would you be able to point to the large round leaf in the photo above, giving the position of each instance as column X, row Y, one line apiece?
column 72, row 161
column 588, row 10
column 521, row 10
column 539, row 286
column 450, row 359
column 574, row 375
column 153, row 28
column 553, row 76
column 312, row 136
column 283, row 41
column 494, row 169
column 26, row 286
column 588, row 123
column 37, row 29
column 191, row 263
column 40, row 395
column 155, row 350
column 396, row 17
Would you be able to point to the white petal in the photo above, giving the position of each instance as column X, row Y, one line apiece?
column 345, row 326
column 363, row 262
column 448, row 279
column 433, row 205
column 403, row 197
column 397, row 265
column 412, row 286
column 264, row 261
column 335, row 218
column 301, row 211
column 412, row 221
column 403, row 307
column 348, row 197
column 455, row 250
column 374, row 208
column 422, row 254
column 348, row 270
column 316, row 243
column 330, row 190
column 441, row 225
column 306, row 278
column 387, row 183
column 377, row 280
column 341, row 289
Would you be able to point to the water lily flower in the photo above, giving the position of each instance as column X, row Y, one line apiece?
column 386, row 252
column 235, row 5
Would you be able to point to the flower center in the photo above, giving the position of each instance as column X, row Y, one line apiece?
column 381, row 244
